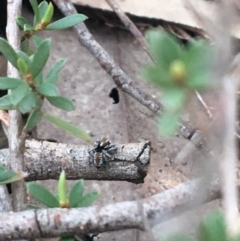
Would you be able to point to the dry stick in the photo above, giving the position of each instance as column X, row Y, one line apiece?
column 229, row 163
column 45, row 160
column 138, row 35
column 46, row 223
column 107, row 63
column 15, row 142
column 129, row 25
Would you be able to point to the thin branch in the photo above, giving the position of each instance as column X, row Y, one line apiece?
column 129, row 25
column 15, row 142
column 120, row 78
column 229, row 162
column 206, row 109
column 45, row 160
column 47, row 223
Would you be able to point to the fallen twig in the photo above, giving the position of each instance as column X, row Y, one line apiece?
column 46, row 223
column 45, row 160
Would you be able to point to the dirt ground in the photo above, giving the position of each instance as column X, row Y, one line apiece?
column 87, row 84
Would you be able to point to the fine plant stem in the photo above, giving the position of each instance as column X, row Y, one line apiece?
column 129, row 25
column 16, row 144
column 229, row 163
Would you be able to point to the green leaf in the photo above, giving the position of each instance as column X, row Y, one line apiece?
column 28, row 102
column 19, row 93
column 67, row 127
column 200, row 81
column 164, row 47
column 34, row 5
column 48, row 14
column 32, row 119
column 14, row 178
column 158, row 76
column 52, row 79
column 2, row 168
column 37, row 40
column 76, row 193
column 22, row 66
column 47, row 89
column 88, row 199
column 9, row 83
column 7, row 174
column 6, row 103
column 21, row 21
column 173, row 99
column 25, row 45
column 62, row 191
column 52, row 74
column 8, row 52
column 67, row 22
column 40, row 57
column 42, row 8
column 42, row 194
column 213, row 228
column 67, row 239
column 168, row 123
column 61, row 102
column 39, row 79
column 23, row 55
column 28, row 27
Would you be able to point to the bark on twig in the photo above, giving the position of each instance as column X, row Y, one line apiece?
column 123, row 215
column 120, row 78
column 5, row 201
column 14, row 132
column 129, row 25
column 45, row 160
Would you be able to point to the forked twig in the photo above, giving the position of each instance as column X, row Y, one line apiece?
column 120, row 78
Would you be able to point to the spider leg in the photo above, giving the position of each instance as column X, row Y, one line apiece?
column 96, row 144
column 112, row 149
column 107, row 156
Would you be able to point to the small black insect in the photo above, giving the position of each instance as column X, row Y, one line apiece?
column 102, row 152
column 114, row 95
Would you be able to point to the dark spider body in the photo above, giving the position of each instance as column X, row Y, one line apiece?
column 102, row 152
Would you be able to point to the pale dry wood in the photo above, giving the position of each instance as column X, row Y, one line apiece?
column 48, row 223
column 5, row 201
column 14, row 132
column 129, row 25
column 45, row 160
